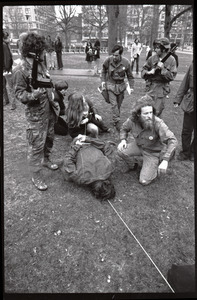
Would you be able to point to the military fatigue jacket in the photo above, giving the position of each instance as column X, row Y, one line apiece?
column 165, row 75
column 35, row 110
column 152, row 141
column 116, row 73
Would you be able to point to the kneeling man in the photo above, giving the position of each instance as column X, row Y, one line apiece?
column 152, row 140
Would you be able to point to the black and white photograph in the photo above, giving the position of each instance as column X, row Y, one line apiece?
column 98, row 150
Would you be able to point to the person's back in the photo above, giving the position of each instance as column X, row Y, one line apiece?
column 91, row 161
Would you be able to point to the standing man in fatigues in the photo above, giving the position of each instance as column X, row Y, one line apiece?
column 159, row 74
column 41, row 110
column 114, row 69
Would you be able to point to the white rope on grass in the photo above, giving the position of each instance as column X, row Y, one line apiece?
column 142, row 247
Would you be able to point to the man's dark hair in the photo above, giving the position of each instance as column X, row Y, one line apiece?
column 33, row 43
column 117, row 47
column 142, row 102
column 103, row 189
column 61, row 85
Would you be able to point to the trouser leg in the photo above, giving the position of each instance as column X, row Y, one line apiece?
column 149, row 168
column 159, row 106
column 132, row 64
column 137, row 63
column 10, row 89
column 116, row 101
column 5, row 93
column 100, row 124
column 188, row 127
column 49, row 136
column 36, row 137
column 129, row 153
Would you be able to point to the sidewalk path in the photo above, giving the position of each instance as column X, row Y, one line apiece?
column 87, row 73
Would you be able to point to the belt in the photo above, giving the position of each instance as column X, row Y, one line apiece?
column 117, row 81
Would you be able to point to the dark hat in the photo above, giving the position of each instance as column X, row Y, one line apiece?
column 165, row 42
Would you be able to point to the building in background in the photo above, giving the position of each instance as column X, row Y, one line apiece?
column 37, row 18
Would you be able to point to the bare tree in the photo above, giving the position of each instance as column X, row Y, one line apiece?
column 113, row 12
column 15, row 20
column 95, row 17
column 66, row 21
column 169, row 20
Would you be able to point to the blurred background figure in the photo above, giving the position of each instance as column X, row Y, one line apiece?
column 96, row 57
column 8, row 94
column 89, row 54
column 50, row 53
column 185, row 98
column 136, row 50
column 58, row 50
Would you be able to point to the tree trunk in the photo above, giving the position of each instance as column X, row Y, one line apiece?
column 167, row 25
column 113, row 12
column 154, row 27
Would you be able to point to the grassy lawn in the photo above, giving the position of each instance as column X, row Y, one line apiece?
column 65, row 241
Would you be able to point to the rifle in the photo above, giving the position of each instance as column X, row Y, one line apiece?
column 171, row 51
column 44, row 82
column 168, row 54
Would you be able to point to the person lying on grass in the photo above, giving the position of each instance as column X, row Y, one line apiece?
column 90, row 162
column 82, row 116
column 152, row 140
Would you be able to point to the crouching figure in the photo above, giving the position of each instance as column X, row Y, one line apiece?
column 90, row 162
column 151, row 139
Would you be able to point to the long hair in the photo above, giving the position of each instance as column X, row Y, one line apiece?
column 75, row 109
column 103, row 189
column 33, row 42
column 136, row 109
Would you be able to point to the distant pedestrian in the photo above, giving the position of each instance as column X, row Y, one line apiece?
column 96, row 56
column 185, row 98
column 8, row 93
column 115, row 69
column 159, row 74
column 50, row 53
column 136, row 50
column 58, row 50
column 89, row 54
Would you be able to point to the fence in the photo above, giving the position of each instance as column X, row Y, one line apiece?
column 81, row 49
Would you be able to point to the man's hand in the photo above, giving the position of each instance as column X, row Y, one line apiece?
column 38, row 92
column 160, row 65
column 162, row 169
column 122, row 145
column 151, row 72
column 80, row 139
column 98, row 117
column 129, row 90
column 103, row 86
